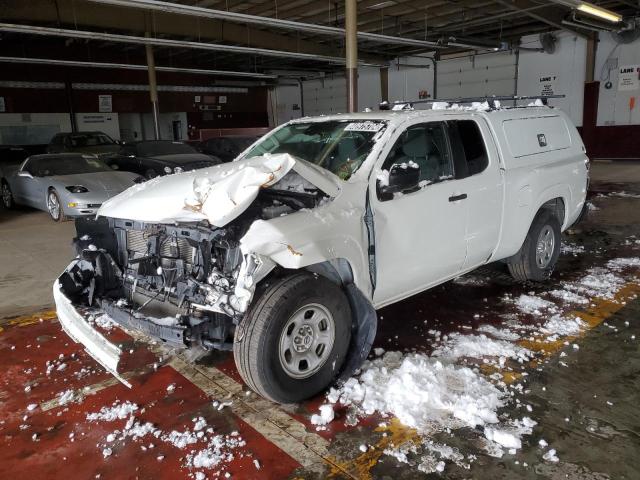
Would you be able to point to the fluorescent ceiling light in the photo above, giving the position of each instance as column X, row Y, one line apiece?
column 380, row 5
column 599, row 12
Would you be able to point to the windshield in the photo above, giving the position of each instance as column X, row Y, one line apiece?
column 155, row 149
column 338, row 146
column 90, row 140
column 71, row 165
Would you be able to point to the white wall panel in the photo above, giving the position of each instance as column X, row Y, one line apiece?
column 613, row 105
column 478, row 75
column 567, row 64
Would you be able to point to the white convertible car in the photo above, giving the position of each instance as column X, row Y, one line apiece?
column 284, row 255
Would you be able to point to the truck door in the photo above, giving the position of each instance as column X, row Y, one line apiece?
column 420, row 235
column 479, row 176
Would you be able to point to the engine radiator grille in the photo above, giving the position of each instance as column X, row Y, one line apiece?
column 171, row 247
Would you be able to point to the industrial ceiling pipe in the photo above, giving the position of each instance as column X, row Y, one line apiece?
column 165, row 42
column 201, row 12
column 351, row 47
column 128, row 66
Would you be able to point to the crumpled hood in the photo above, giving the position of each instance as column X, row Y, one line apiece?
column 217, row 194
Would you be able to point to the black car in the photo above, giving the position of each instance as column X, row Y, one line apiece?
column 11, row 156
column 152, row 158
column 96, row 143
column 226, row 148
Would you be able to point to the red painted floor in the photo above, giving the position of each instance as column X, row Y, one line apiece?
column 62, row 443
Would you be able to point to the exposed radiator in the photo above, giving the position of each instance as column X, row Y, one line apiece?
column 171, row 247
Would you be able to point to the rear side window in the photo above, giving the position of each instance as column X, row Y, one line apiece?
column 467, row 145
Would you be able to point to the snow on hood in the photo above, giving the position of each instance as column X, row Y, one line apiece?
column 217, row 194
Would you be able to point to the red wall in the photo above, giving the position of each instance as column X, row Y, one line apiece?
column 241, row 109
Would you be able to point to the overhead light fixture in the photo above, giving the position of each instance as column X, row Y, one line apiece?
column 599, row 12
column 593, row 10
column 381, row 5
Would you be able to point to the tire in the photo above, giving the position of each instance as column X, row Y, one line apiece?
column 527, row 264
column 275, row 325
column 151, row 173
column 57, row 215
column 7, row 196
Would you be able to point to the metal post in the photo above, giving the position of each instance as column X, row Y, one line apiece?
column 72, row 113
column 153, row 89
column 592, row 46
column 351, row 47
column 384, row 84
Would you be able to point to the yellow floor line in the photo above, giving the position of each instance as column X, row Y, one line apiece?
column 26, row 320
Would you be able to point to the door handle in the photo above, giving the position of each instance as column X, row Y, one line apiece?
column 455, row 198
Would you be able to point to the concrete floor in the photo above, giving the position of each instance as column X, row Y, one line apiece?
column 585, row 400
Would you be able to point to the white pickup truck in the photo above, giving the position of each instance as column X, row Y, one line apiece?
column 284, row 255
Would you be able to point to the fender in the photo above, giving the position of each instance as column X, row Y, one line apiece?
column 364, row 320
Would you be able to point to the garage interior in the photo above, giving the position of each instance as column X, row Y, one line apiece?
column 191, row 70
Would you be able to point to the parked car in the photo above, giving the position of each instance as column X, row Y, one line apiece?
column 226, row 148
column 152, row 158
column 284, row 255
column 97, row 143
column 10, row 157
column 64, row 184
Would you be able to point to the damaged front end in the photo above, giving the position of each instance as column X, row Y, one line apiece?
column 187, row 284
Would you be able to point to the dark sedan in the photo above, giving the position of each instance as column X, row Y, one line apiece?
column 226, row 148
column 152, row 158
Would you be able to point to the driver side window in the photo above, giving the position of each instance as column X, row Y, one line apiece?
column 424, row 144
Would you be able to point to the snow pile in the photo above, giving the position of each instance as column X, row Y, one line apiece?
column 568, row 248
column 479, row 346
column 326, row 415
column 618, row 264
column 499, row 333
column 559, row 325
column 210, row 449
column 117, row 411
column 534, row 305
column 421, row 391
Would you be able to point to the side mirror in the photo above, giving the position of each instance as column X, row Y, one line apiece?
column 402, row 177
column 24, row 173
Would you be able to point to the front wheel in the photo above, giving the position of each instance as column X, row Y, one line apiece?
column 294, row 339
column 54, row 207
column 538, row 255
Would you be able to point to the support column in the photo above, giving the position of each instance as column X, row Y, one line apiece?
column 351, row 47
column 592, row 45
column 153, row 89
column 72, row 113
column 384, row 84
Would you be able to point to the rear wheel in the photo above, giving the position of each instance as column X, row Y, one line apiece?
column 7, row 196
column 54, row 207
column 538, row 255
column 294, row 338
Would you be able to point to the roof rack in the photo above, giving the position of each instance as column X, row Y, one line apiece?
column 491, row 100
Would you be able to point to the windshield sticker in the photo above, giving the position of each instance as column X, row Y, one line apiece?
column 363, row 127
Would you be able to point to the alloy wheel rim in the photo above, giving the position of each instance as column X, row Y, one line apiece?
column 545, row 247
column 306, row 341
column 54, row 206
column 6, row 196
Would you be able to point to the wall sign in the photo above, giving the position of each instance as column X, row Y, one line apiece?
column 105, row 103
column 548, row 84
column 629, row 77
